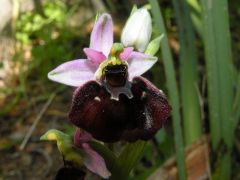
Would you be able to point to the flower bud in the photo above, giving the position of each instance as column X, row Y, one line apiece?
column 138, row 29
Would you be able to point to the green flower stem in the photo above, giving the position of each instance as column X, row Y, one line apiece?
column 188, row 73
column 121, row 166
column 172, row 89
column 219, row 68
column 130, row 156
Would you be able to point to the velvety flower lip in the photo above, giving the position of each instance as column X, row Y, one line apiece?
column 127, row 119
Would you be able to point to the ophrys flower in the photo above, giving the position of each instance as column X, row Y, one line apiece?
column 78, row 152
column 112, row 101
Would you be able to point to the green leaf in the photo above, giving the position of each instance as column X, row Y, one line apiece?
column 196, row 16
column 188, row 73
column 172, row 89
column 236, row 105
column 154, row 45
column 218, row 57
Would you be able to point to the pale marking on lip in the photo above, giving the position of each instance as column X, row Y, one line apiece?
column 148, row 122
column 97, row 99
column 144, row 94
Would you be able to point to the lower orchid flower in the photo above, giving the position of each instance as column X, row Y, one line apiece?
column 78, row 153
column 113, row 101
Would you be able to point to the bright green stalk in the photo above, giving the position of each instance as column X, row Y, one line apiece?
column 172, row 89
column 188, row 73
column 219, row 69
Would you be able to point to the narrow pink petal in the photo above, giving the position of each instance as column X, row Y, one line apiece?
column 81, row 137
column 94, row 56
column 94, row 162
column 102, row 34
column 73, row 73
column 126, row 53
column 139, row 63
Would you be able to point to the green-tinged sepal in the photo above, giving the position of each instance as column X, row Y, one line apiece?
column 55, row 135
column 65, row 146
column 134, row 8
column 154, row 45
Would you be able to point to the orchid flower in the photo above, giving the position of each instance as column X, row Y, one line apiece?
column 77, row 72
column 112, row 101
column 78, row 152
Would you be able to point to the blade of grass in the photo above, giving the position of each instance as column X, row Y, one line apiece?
column 172, row 89
column 236, row 105
column 195, row 12
column 224, row 53
column 188, row 73
column 220, row 88
column 212, row 75
column 219, row 64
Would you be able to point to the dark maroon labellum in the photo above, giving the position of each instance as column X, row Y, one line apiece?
column 116, row 75
column 127, row 119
